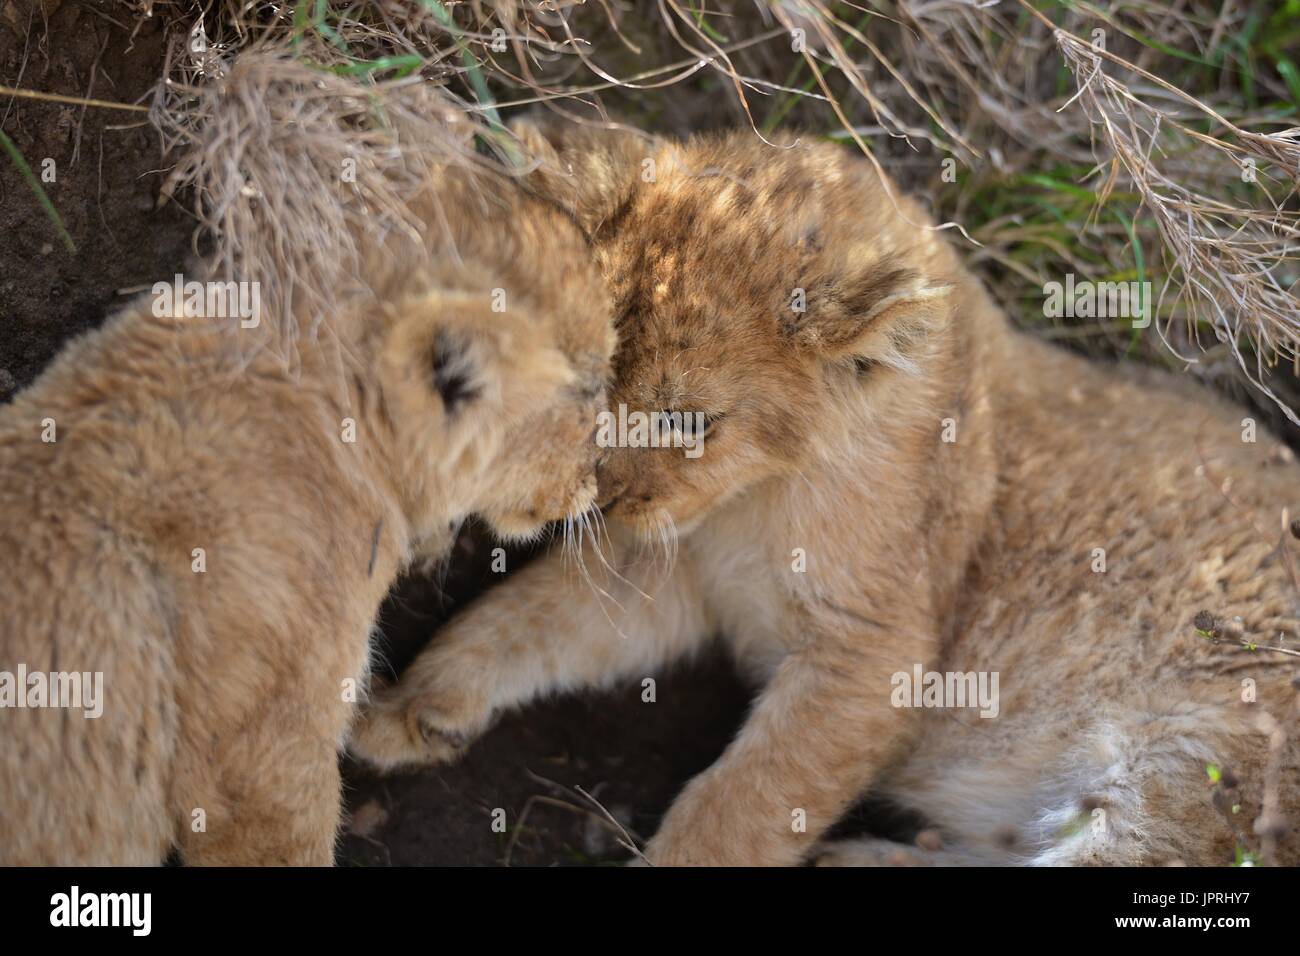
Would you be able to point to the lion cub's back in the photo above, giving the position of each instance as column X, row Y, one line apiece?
column 76, row 788
column 1133, row 502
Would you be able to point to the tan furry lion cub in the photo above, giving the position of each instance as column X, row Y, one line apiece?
column 214, row 535
column 963, row 567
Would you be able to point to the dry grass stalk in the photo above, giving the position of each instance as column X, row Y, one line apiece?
column 294, row 171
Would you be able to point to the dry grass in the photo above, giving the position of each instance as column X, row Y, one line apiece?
column 292, row 171
column 1115, row 156
column 1224, row 254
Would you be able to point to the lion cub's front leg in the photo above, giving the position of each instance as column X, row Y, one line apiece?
column 542, row 631
column 821, row 729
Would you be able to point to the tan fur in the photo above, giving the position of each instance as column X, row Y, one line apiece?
column 229, row 692
column 970, row 555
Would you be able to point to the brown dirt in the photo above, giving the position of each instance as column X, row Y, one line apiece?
column 106, row 183
column 632, row 756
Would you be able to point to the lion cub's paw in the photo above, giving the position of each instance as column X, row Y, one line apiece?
column 396, row 732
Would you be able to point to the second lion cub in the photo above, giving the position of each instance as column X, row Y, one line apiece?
column 213, row 535
column 892, row 483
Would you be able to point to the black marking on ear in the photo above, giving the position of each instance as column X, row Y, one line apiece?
column 864, row 294
column 452, row 373
column 864, row 366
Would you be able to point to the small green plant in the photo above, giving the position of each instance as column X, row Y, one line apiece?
column 1244, row 857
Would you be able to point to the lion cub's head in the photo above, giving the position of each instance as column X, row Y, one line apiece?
column 494, row 359
column 769, row 303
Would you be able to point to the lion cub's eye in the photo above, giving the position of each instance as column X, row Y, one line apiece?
column 696, row 424
column 689, row 425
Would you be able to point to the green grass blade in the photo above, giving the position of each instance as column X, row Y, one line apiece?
column 790, row 100
column 703, row 24
column 404, row 65
column 476, row 79
column 1139, row 260
column 26, row 172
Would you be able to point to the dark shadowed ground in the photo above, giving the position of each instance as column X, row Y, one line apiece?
column 105, row 186
column 632, row 756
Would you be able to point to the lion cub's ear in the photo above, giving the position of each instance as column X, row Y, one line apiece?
column 883, row 312
column 589, row 172
column 457, row 367
column 444, row 351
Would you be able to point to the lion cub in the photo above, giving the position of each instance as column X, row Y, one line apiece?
column 892, row 483
column 214, row 534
